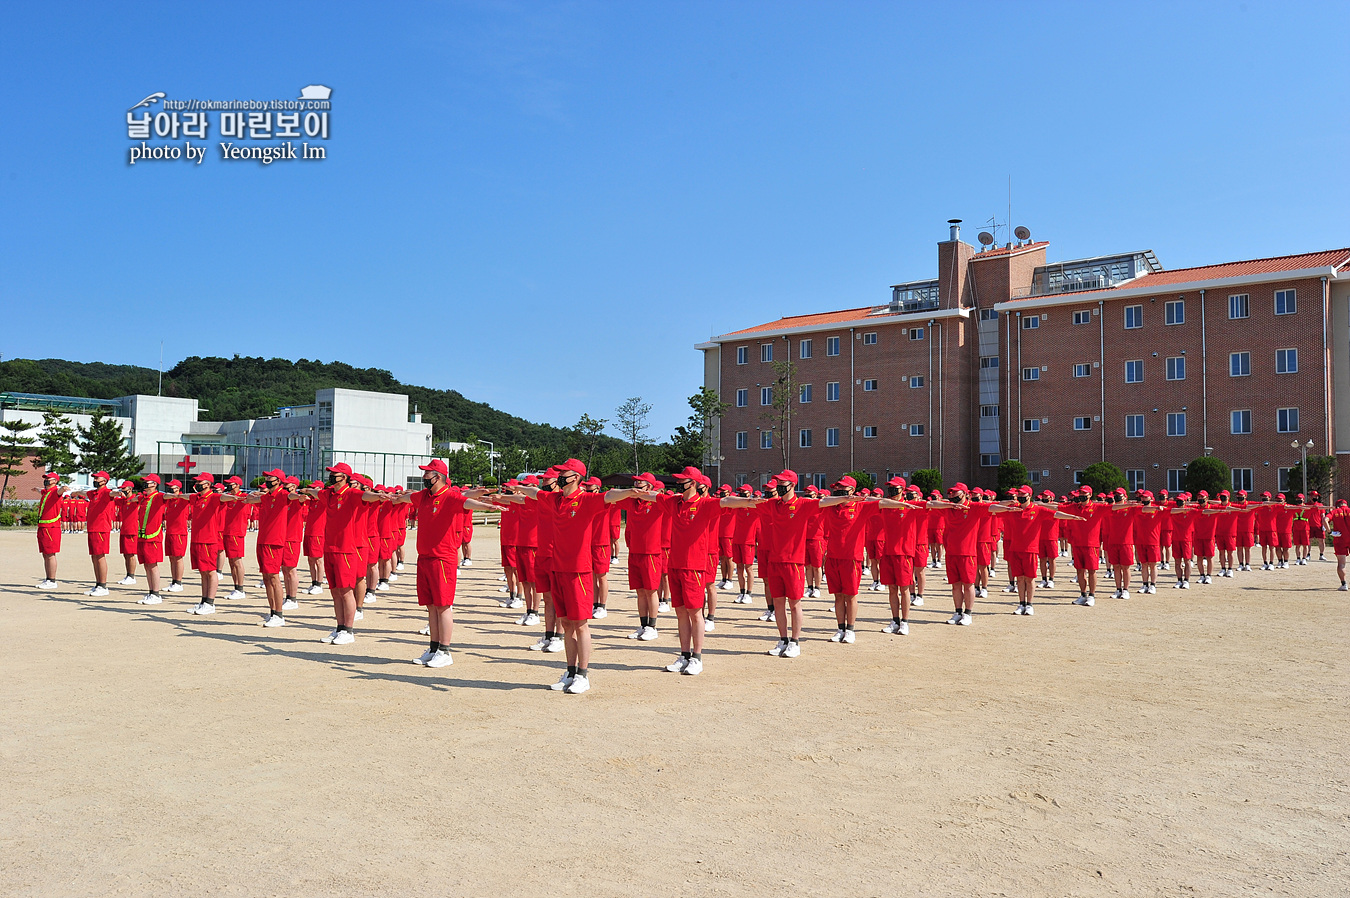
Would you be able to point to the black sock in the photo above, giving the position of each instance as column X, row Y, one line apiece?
column 434, row 645
column 346, row 629
column 896, row 619
column 793, row 641
column 583, row 673
column 686, row 655
column 708, row 617
column 290, row 598
column 571, row 670
column 697, row 656
column 549, row 634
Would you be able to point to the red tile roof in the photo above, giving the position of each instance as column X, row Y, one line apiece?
column 809, row 320
column 1009, row 250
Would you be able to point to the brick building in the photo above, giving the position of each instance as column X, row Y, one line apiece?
column 1059, row 365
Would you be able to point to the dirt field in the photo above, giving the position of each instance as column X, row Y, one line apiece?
column 1188, row 743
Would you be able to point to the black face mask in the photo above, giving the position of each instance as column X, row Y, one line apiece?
column 332, row 480
column 839, row 491
column 428, row 483
column 783, row 489
column 893, row 492
column 546, row 487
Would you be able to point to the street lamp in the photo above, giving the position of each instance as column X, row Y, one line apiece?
column 1303, row 461
column 492, row 453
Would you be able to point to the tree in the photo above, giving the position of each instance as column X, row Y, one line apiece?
column 470, row 465
column 1320, row 468
column 778, row 413
column 686, row 447
column 863, row 479
column 512, row 462
column 15, row 446
column 1104, row 477
column 632, row 424
column 1012, row 474
column 102, row 447
column 586, row 437
column 1207, row 473
column 927, row 479
column 54, row 452
column 708, row 409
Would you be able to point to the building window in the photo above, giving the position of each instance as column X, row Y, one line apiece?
column 742, row 355
column 804, row 438
column 1174, row 312
column 766, row 439
column 1083, row 370
column 1240, row 421
column 1239, row 364
column 870, row 433
column 1282, row 479
column 1134, row 425
column 804, row 395
column 989, row 411
column 915, row 430
column 1031, row 373
column 1134, row 317
column 870, row 386
column 1284, row 302
column 818, row 480
column 1083, row 317
column 742, row 439
column 1286, row 361
column 1077, row 479
column 988, row 361
column 1176, row 367
column 1239, row 306
column 766, row 352
column 917, row 333
column 870, row 339
column 832, row 346
column 1134, row 479
column 1175, row 478
column 989, row 460
column 766, row 395
column 1242, row 479
column 806, row 349
column 1083, row 423
column 742, row 398
column 1031, row 425
column 832, row 437
column 1031, row 322
column 1176, row 424
column 988, row 315
column 832, row 391
column 916, row 381
column 1286, row 420
column 1134, row 371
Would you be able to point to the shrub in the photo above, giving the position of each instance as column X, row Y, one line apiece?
column 1012, row 474
column 1207, row 473
column 864, row 479
column 927, row 479
column 30, row 517
column 1104, row 477
column 6, row 519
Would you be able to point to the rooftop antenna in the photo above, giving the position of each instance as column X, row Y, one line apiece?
column 160, row 390
column 1021, row 233
column 986, row 239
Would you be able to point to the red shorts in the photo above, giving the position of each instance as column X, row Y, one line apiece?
column 436, row 581
column 290, row 556
column 984, row 555
column 314, row 547
column 843, row 576
column 1204, row 548
column 1268, row 538
column 686, row 588
column 1120, row 555
column 1047, row 548
column 710, row 572
column 234, row 546
column 1340, row 545
column 370, row 550
column 874, row 550
column 815, row 552
column 665, row 560
column 784, row 580
column 1284, row 540
column 572, row 594
column 269, row 558
column 1148, row 554
column 920, row 556
column 49, row 538
column 128, row 542
column 1181, row 550
column 1086, row 558
column 600, row 560
column 960, row 568
column 644, row 571
column 743, row 553
column 896, row 570
column 525, row 562
column 1226, row 543
column 724, row 547
column 343, row 569
column 175, row 544
column 400, row 537
column 1246, row 540
column 205, row 556
column 386, row 549
column 1302, row 535
column 150, row 551
column 99, row 542
column 1021, row 564
column 508, row 556
column 543, row 572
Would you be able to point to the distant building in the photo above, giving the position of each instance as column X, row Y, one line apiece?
column 1059, row 365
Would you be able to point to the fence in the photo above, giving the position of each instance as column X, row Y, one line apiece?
column 247, row 461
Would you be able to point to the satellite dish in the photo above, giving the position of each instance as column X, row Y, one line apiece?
column 985, row 238
column 1021, row 233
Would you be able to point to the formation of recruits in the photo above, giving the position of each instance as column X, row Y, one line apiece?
column 559, row 537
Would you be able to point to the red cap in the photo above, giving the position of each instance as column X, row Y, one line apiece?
column 341, row 468
column 914, row 488
column 1204, row 494
column 437, row 466
column 576, row 466
column 152, row 478
column 1265, row 495
column 317, row 484
column 1300, row 495
column 1024, row 491
column 104, row 474
column 128, row 485
column 647, row 477
column 275, row 472
column 960, row 487
column 728, row 487
column 176, row 482
column 592, row 481
column 787, row 476
column 1242, row 492
column 205, row 477
column 550, row 474
column 294, row 480
column 897, row 480
column 846, row 481
column 747, row 488
column 689, row 473
column 1146, row 494
column 531, row 480
column 705, row 480
column 47, row 474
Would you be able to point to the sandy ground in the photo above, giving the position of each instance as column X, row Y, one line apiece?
column 1188, row 743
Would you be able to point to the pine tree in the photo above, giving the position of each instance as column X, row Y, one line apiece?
column 55, row 453
column 15, row 446
column 102, row 447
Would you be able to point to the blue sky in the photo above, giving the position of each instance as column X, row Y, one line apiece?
column 545, row 205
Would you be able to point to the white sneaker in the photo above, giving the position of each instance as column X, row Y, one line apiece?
column 203, row 608
column 370, row 598
column 981, row 593
column 314, row 590
column 440, row 659
column 468, row 562
column 399, row 566
column 662, row 607
column 767, row 615
column 423, row 658
column 966, row 619
column 648, row 634
column 45, row 584
column 1028, row 610
column 1176, row 585
column 723, row 585
column 598, row 612
column 1163, row 566
column 330, row 637
column 150, row 599
column 344, row 637
column 172, row 587
column 290, row 605
column 555, row 644
column 360, row 615
column 382, row 586
column 578, row 685
column 98, row 591
column 709, row 625
column 792, row 650
column 743, row 599
column 877, row 587
column 516, row 602
column 677, row 665
column 891, row 629
column 506, row 602
column 1010, row 588
column 1341, row 588
column 838, row 636
column 425, row 631
column 236, row 594
column 778, row 648
column 916, row 602
column 1185, row 584
column 1081, row 600
column 393, row 578
column 636, row 634
column 1049, row 584
column 563, row 682
column 1124, row 593
column 128, row 580
column 955, row 618
column 850, row 637
column 693, row 668
column 1020, row 609
column 540, row 645
column 274, row 620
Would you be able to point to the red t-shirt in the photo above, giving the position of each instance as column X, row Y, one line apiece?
column 509, row 520
column 1183, row 524
column 150, row 515
column 296, row 513
column 1022, row 529
column 645, row 523
column 207, row 515
column 788, row 520
column 341, row 512
column 177, row 511
column 438, row 526
column 316, row 517
column 693, row 529
column 901, row 526
column 527, row 524
column 1086, row 534
column 273, row 509
column 847, row 528
column 236, row 518
column 1204, row 525
column 745, row 525
column 963, row 528
column 1148, row 526
column 126, row 513
column 102, row 506
column 570, row 517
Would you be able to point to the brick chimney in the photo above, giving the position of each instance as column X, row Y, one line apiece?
column 953, row 256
